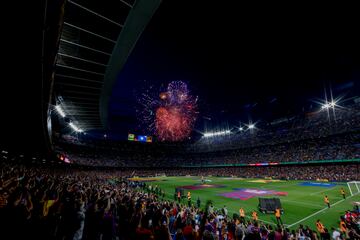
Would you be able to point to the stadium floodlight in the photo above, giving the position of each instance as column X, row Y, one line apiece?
column 60, row 110
column 325, row 106
column 241, row 128
column 76, row 129
column 213, row 134
column 328, row 105
column 251, row 126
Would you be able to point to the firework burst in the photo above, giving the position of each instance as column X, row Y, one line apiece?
column 169, row 114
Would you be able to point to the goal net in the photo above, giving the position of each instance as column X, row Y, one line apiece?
column 354, row 187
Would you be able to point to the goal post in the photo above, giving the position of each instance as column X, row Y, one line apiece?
column 354, row 187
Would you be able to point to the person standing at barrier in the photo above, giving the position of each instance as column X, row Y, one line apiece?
column 179, row 196
column 255, row 216
column 189, row 199
column 278, row 216
column 321, row 229
column 343, row 227
column 242, row 214
column 225, row 211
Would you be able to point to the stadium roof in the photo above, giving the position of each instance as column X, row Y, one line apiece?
column 96, row 39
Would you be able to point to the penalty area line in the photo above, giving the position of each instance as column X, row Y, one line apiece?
column 316, row 213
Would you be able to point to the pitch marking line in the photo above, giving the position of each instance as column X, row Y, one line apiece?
column 316, row 213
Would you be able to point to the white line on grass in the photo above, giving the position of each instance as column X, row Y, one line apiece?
column 316, row 213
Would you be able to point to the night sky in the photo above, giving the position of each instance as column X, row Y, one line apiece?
column 243, row 62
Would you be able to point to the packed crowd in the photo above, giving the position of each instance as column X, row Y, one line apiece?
column 44, row 203
column 344, row 146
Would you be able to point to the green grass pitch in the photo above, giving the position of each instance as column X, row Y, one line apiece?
column 300, row 203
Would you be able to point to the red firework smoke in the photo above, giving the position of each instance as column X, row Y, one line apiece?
column 171, row 124
column 175, row 115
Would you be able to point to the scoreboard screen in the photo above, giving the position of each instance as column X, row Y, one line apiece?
column 139, row 138
column 131, row 137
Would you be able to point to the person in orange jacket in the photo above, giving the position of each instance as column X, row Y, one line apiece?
column 326, row 200
column 255, row 216
column 320, row 227
column 342, row 191
column 242, row 214
column 278, row 216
